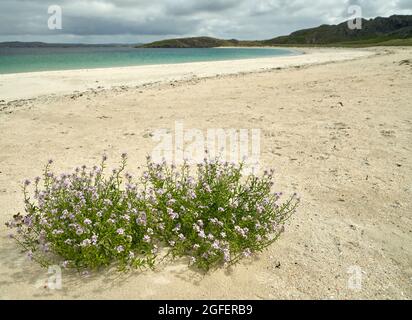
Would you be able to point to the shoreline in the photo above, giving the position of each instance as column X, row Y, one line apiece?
column 290, row 52
column 63, row 82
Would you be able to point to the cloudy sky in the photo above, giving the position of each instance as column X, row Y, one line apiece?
column 132, row 21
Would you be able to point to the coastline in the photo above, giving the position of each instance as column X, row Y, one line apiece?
column 69, row 81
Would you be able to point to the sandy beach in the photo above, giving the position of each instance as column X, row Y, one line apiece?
column 65, row 82
column 336, row 125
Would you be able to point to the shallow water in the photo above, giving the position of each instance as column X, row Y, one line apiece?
column 15, row 60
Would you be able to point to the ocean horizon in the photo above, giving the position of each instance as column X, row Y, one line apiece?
column 19, row 60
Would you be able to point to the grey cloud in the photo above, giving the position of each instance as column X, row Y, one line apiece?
column 106, row 26
column 184, row 7
column 147, row 20
column 404, row 4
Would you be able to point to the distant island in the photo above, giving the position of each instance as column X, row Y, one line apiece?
column 395, row 30
column 199, row 42
column 20, row 44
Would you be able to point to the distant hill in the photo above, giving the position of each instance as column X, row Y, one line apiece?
column 198, row 42
column 373, row 31
column 394, row 30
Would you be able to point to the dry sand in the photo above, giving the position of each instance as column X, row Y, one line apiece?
column 336, row 125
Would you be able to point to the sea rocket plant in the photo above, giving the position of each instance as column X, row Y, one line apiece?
column 215, row 216
column 85, row 219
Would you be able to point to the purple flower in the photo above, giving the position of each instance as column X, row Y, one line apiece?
column 142, row 220
column 241, row 231
column 172, row 214
column 226, row 255
column 27, row 182
column 45, row 247
column 155, row 249
column 85, row 243
column 87, row 222
column 119, row 249
column 120, row 231
column 27, row 220
column 146, row 238
column 247, row 253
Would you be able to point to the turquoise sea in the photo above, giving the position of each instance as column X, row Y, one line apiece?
column 16, row 60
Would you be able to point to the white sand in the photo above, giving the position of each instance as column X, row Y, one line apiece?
column 338, row 133
column 33, row 84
